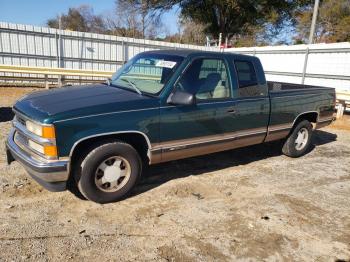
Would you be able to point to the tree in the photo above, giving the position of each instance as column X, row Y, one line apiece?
column 189, row 33
column 129, row 19
column 124, row 22
column 233, row 17
column 333, row 22
column 81, row 19
column 135, row 19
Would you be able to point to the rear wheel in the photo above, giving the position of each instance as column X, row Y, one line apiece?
column 109, row 172
column 298, row 141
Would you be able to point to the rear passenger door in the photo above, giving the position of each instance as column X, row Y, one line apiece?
column 247, row 116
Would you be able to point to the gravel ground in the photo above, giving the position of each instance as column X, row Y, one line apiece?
column 248, row 204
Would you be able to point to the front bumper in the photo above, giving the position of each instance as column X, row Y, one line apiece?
column 52, row 175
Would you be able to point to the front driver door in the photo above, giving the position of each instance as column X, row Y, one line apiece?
column 189, row 130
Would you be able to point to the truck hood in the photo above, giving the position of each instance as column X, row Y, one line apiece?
column 69, row 102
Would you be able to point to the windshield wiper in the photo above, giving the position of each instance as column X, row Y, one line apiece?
column 132, row 84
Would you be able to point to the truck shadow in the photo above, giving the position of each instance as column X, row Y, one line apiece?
column 6, row 114
column 159, row 174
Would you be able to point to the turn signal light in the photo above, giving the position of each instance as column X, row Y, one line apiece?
column 50, row 151
column 48, row 132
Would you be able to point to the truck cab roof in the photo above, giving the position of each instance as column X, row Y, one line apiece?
column 192, row 52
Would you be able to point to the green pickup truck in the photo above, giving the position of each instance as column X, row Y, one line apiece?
column 160, row 106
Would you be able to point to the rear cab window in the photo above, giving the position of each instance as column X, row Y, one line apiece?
column 247, row 79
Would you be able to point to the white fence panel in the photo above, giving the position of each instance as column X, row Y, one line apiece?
column 26, row 45
column 317, row 64
column 33, row 46
column 51, row 44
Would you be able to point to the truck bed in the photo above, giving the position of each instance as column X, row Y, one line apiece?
column 281, row 86
column 289, row 101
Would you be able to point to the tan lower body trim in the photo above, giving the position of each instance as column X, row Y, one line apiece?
column 277, row 132
column 324, row 122
column 173, row 150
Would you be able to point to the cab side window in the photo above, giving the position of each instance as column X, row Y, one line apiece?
column 207, row 78
column 247, row 79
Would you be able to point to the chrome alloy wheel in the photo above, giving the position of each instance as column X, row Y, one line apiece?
column 112, row 174
column 302, row 139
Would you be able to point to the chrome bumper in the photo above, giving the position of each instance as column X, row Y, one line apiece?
column 52, row 175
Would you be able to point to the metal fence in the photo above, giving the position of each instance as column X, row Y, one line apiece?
column 27, row 45
column 317, row 64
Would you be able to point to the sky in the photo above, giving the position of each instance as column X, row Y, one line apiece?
column 37, row 12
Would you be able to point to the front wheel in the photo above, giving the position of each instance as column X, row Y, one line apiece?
column 299, row 140
column 109, row 172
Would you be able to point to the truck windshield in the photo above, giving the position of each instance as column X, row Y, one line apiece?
column 146, row 73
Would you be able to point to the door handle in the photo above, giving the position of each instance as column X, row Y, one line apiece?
column 231, row 111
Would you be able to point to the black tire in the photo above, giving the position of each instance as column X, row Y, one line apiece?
column 290, row 148
column 86, row 180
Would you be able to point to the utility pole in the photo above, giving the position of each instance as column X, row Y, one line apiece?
column 59, row 39
column 313, row 23
column 60, row 64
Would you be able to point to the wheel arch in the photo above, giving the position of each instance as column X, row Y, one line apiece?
column 311, row 116
column 137, row 139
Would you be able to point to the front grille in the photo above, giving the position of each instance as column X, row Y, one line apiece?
column 20, row 120
column 21, row 139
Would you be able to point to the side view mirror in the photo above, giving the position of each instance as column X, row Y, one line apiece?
column 181, row 98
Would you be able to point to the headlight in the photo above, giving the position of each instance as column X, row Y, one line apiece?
column 48, row 150
column 39, row 130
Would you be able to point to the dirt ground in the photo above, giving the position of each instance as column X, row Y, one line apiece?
column 250, row 204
